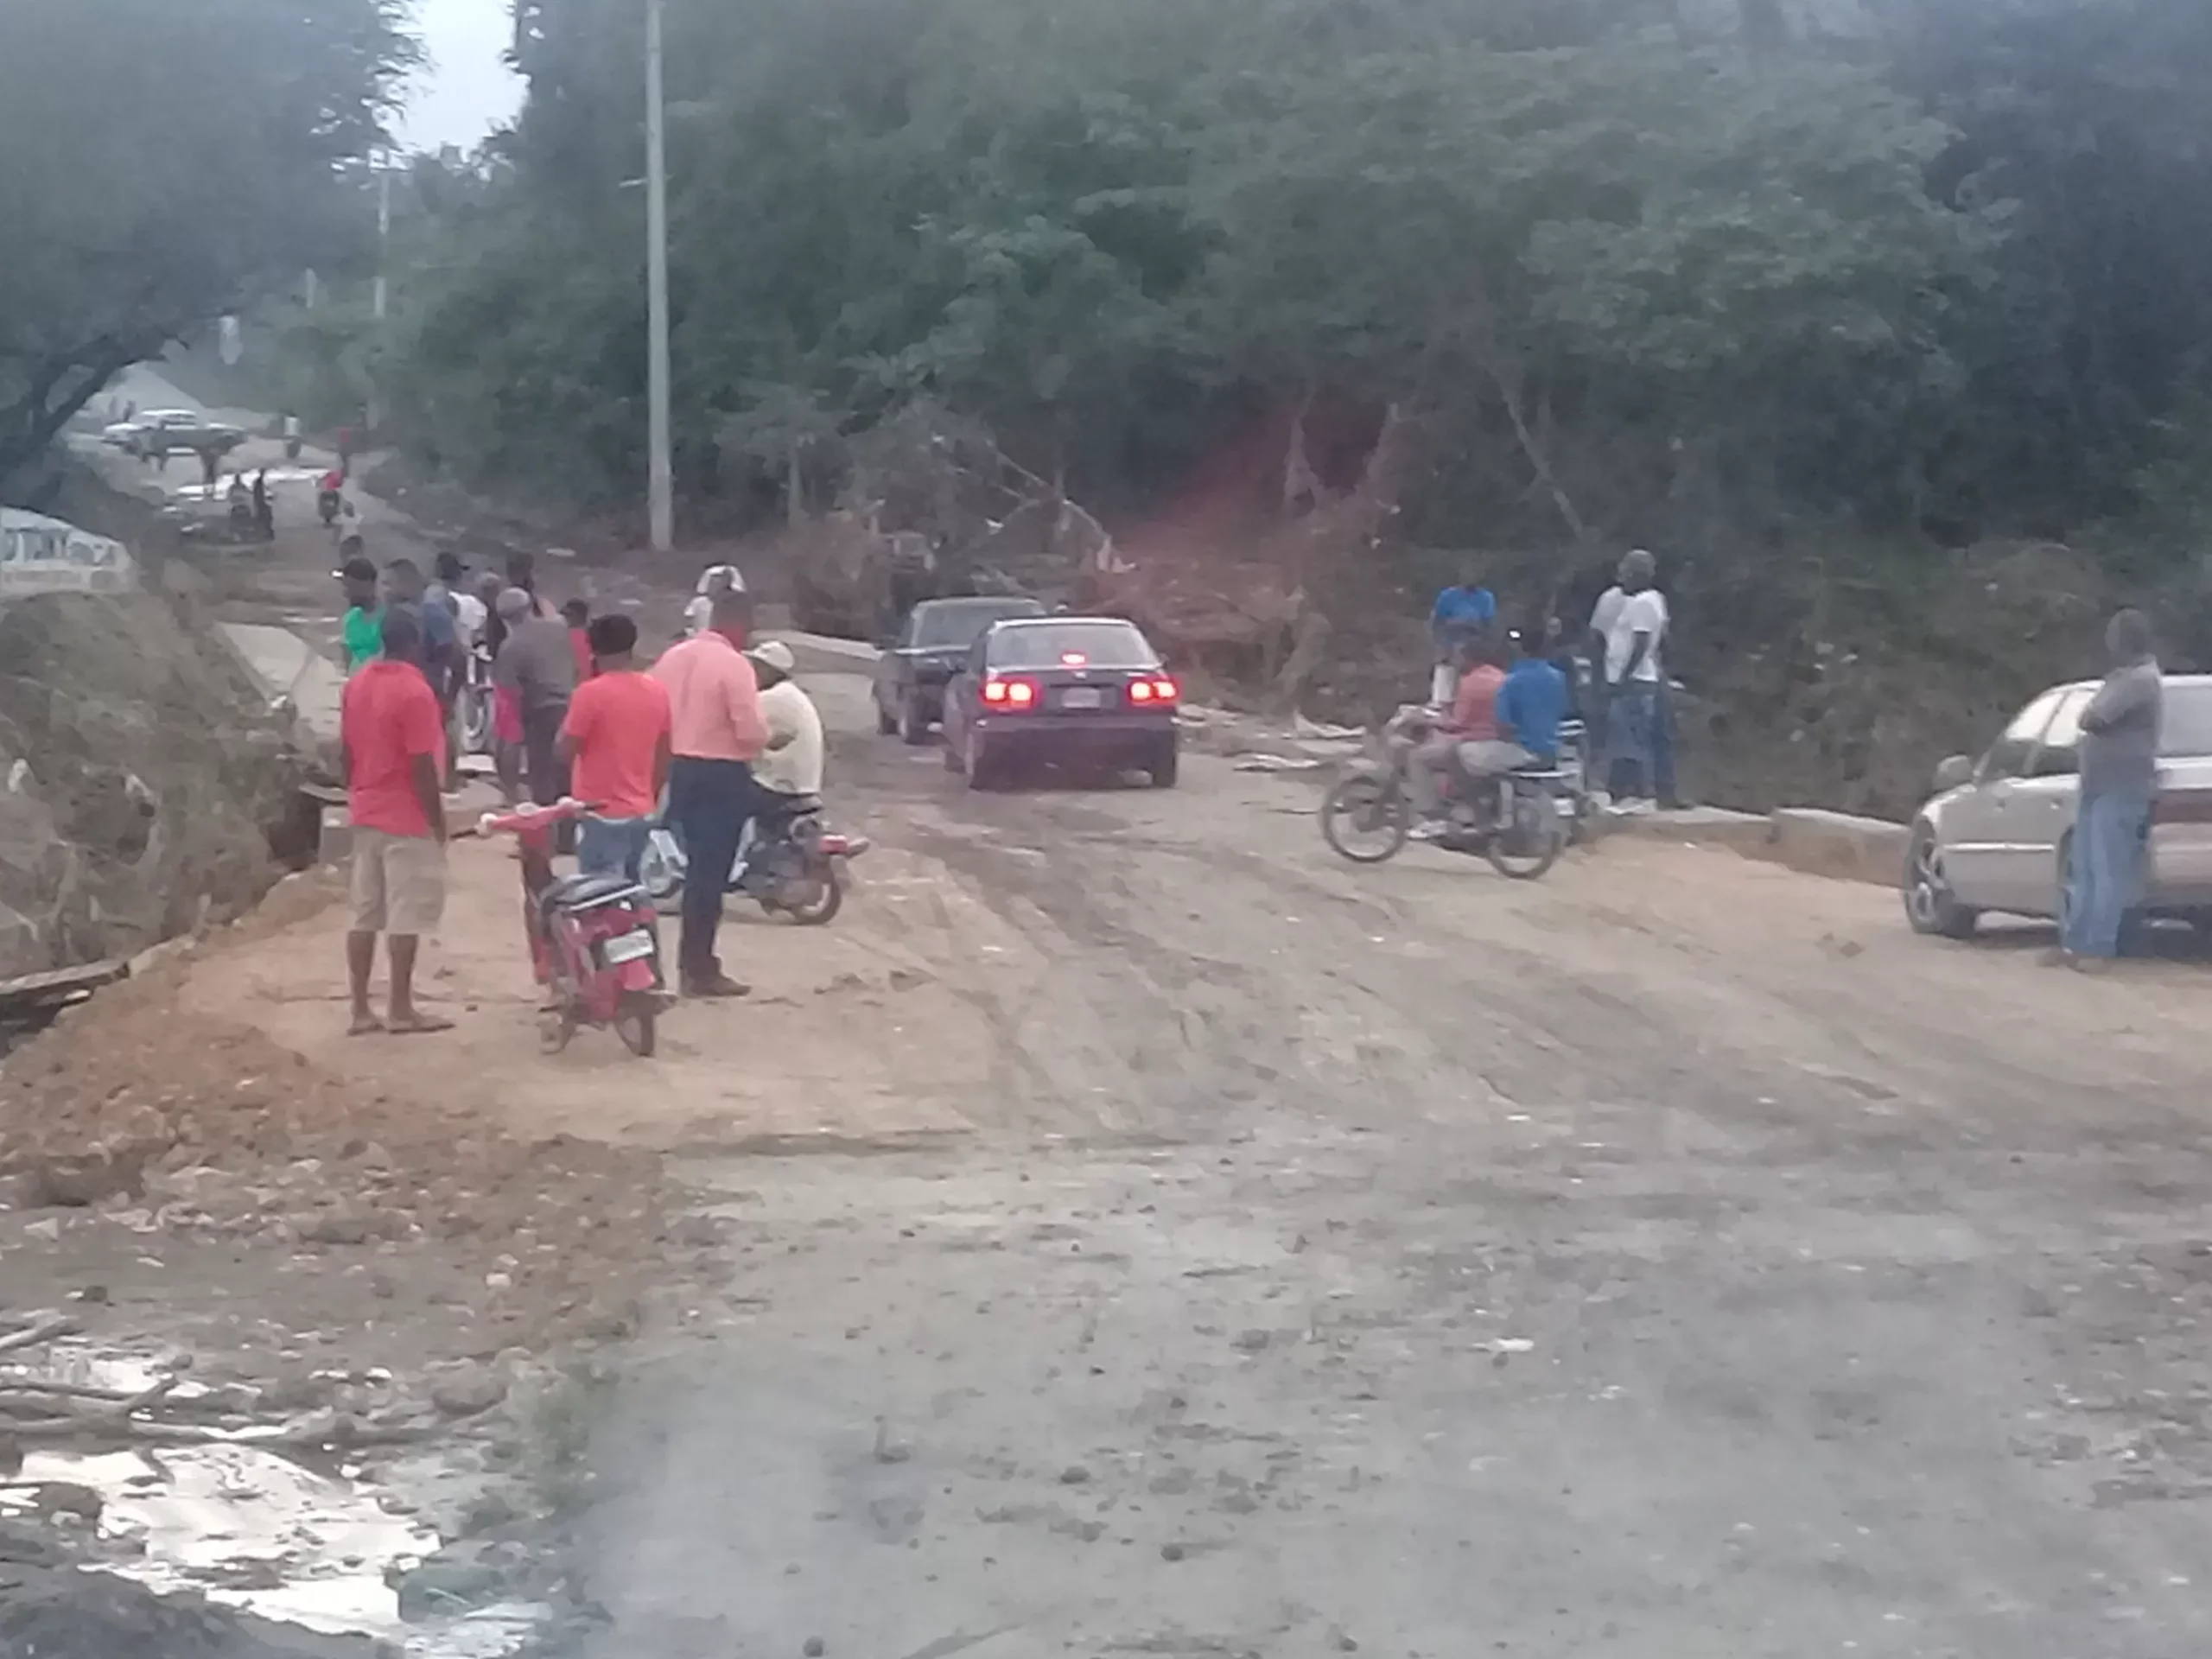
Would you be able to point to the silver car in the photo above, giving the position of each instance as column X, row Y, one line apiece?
column 1993, row 837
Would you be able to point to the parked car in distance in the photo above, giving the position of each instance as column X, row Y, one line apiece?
column 928, row 650
column 1086, row 690
column 166, row 431
column 1994, row 835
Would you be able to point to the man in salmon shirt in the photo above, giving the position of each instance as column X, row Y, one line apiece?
column 716, row 733
column 395, row 748
column 616, row 741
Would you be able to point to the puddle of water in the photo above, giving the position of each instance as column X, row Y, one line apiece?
column 253, row 1530
column 314, row 1548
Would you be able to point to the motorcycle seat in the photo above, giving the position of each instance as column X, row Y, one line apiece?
column 589, row 892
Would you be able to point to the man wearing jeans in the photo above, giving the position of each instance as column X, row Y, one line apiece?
column 716, row 733
column 616, row 741
column 2112, row 825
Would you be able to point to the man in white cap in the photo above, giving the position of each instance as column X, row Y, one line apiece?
column 789, row 768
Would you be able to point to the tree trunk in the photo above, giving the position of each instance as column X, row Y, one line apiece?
column 1538, row 459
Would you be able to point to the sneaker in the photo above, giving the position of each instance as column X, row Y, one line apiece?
column 1637, row 808
column 1430, row 831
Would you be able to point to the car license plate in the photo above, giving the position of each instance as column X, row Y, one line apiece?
column 628, row 947
column 1083, row 696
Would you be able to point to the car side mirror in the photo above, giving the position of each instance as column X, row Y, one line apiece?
column 1953, row 770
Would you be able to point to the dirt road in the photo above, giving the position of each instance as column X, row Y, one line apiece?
column 1139, row 1232
column 1150, row 1235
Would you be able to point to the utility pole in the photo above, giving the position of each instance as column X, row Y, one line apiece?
column 383, row 236
column 659, row 482
column 379, row 295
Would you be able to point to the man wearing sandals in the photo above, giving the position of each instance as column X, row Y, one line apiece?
column 395, row 745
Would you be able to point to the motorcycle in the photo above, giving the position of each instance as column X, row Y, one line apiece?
column 327, row 503
column 594, row 939
column 1518, row 820
column 789, row 863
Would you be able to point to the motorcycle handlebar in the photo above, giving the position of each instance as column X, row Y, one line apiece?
column 523, row 820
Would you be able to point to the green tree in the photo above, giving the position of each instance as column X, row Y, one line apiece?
column 168, row 165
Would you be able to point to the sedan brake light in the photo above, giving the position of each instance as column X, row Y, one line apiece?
column 1010, row 694
column 1154, row 691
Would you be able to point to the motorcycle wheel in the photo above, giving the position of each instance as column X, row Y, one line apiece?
column 476, row 720
column 1366, row 818
column 638, row 1023
column 1530, row 844
column 823, row 902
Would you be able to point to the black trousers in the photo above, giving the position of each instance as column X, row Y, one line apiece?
column 708, row 802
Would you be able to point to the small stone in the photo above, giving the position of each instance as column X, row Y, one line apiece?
column 1252, row 1341
column 1075, row 1475
column 467, row 1393
column 93, row 1295
column 1171, row 1552
column 815, row 1647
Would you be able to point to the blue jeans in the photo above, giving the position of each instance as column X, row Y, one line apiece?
column 612, row 846
column 1663, row 743
column 2104, row 870
column 1631, row 712
column 709, row 801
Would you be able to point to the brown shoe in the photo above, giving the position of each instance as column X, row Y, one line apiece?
column 716, row 986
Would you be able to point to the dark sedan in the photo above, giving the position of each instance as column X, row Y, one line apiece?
column 1063, row 690
column 912, row 673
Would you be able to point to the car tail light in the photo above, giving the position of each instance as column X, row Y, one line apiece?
column 1154, row 691
column 1010, row 694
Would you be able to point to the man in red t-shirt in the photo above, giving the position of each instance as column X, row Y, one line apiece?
column 616, row 740
column 395, row 745
column 1473, row 720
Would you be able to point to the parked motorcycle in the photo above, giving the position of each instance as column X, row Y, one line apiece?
column 594, row 939
column 1518, row 820
column 791, row 863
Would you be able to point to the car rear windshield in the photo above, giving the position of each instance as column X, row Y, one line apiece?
column 1046, row 644
column 2185, row 721
column 942, row 627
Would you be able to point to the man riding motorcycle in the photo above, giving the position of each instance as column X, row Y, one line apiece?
column 787, row 778
column 1467, row 746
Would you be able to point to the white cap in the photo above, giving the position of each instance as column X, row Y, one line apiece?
column 775, row 654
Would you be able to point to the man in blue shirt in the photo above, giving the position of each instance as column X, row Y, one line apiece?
column 1461, row 615
column 1532, row 702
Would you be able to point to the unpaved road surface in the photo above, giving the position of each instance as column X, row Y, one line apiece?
column 1147, row 1234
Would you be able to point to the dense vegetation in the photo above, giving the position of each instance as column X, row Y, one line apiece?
column 1945, row 268
column 168, row 164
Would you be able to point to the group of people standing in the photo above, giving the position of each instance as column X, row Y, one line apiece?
column 713, row 734
column 1614, row 679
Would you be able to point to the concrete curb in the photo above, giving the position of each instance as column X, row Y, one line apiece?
column 1807, row 838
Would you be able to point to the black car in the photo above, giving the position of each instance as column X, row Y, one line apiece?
column 1062, row 690
column 911, row 674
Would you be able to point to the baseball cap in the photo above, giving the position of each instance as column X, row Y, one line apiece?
column 775, row 654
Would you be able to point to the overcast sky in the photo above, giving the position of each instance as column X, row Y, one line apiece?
column 465, row 90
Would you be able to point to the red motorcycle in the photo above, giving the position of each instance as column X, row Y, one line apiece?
column 592, row 939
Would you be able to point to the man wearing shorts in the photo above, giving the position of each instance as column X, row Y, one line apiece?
column 395, row 745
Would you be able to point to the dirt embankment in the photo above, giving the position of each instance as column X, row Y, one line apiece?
column 142, row 772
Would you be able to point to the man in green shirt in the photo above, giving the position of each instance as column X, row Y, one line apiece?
column 364, row 616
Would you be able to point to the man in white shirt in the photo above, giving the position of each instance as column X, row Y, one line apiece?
column 1629, row 622
column 791, row 766
column 717, row 578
